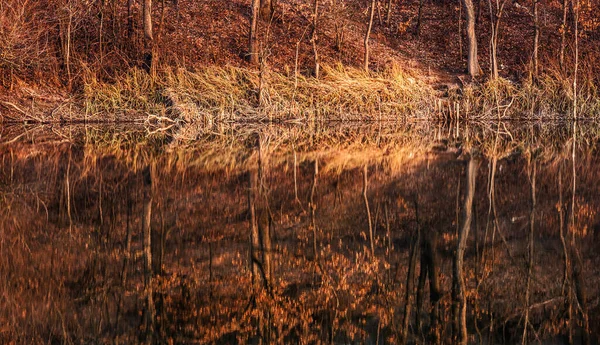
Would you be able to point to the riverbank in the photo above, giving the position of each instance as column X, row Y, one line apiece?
column 218, row 94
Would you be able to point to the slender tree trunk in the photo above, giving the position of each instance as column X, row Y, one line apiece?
column 253, row 38
column 495, row 15
column 147, row 14
column 576, row 65
column 130, row 19
column 563, row 34
column 493, row 54
column 536, row 37
column 314, row 39
column 267, row 8
column 460, row 30
column 419, row 18
column 388, row 16
column 367, row 34
column 458, row 274
column 473, row 62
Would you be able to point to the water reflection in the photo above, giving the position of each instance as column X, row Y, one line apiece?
column 383, row 233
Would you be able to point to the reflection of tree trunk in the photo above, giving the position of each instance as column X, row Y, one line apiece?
column 561, row 224
column 264, row 230
column 366, row 200
column 460, row 301
column 158, row 239
column 410, row 278
column 254, row 236
column 260, row 235
column 429, row 268
column 68, row 192
column 579, row 293
column 127, row 253
column 313, row 208
column 530, row 263
column 147, row 244
column 572, row 224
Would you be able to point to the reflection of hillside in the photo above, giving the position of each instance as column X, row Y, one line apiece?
column 73, row 248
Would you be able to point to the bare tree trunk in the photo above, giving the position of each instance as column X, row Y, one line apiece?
column 130, row 19
column 460, row 37
column 576, row 65
column 147, row 14
column 419, row 17
column 473, row 62
column 267, row 9
column 563, row 34
column 147, row 245
column 253, row 39
column 458, row 274
column 536, row 37
column 314, row 39
column 367, row 34
column 388, row 16
column 496, row 13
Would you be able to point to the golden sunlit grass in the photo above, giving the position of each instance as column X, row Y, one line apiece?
column 549, row 95
column 237, row 94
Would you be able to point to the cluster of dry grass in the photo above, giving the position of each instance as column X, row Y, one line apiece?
column 225, row 94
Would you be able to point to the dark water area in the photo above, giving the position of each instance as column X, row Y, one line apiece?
column 380, row 233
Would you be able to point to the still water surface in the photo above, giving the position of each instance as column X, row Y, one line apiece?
column 315, row 233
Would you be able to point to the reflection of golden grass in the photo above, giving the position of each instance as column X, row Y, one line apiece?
column 89, row 278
